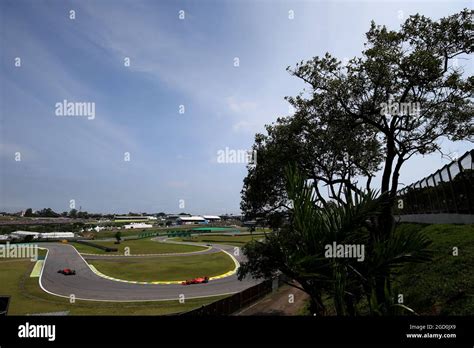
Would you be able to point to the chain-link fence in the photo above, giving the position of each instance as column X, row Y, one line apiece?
column 448, row 190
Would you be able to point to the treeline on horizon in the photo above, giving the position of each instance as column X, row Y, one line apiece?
column 77, row 214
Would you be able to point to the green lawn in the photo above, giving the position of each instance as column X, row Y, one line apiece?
column 41, row 254
column 27, row 297
column 445, row 285
column 167, row 268
column 137, row 246
column 222, row 239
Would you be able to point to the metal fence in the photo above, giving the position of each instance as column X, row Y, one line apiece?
column 448, row 190
column 240, row 300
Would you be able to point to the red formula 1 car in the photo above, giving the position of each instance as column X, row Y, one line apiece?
column 67, row 271
column 200, row 280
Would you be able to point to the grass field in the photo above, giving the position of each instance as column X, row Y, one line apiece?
column 27, row 298
column 445, row 285
column 222, row 239
column 168, row 268
column 41, row 254
column 137, row 246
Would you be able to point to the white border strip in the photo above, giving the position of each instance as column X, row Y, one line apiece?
column 101, row 300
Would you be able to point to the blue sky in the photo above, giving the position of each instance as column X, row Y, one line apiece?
column 174, row 62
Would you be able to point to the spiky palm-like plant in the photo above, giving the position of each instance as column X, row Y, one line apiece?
column 299, row 250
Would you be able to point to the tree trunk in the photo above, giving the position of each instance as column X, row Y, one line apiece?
column 316, row 306
column 385, row 220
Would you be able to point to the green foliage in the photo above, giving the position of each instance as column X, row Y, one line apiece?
column 46, row 212
column 298, row 250
column 350, row 120
column 394, row 101
column 73, row 213
column 27, row 239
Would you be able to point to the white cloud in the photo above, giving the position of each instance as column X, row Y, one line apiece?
column 241, row 106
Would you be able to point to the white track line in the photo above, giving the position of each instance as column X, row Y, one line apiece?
column 97, row 300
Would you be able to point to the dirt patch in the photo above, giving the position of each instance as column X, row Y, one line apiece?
column 287, row 300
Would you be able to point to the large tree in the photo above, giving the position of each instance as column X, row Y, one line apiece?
column 329, row 160
column 405, row 93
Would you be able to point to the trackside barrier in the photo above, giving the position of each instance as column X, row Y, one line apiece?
column 98, row 246
column 238, row 301
column 450, row 190
column 147, row 234
column 178, row 234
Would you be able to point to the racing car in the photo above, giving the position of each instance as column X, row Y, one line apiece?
column 67, row 271
column 200, row 280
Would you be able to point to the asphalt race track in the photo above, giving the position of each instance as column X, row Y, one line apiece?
column 86, row 285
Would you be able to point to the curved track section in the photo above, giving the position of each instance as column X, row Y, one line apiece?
column 86, row 285
column 206, row 250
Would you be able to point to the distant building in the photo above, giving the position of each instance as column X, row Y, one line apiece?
column 250, row 223
column 212, row 218
column 137, row 225
column 190, row 220
column 56, row 235
column 172, row 217
column 226, row 217
column 23, row 234
column 45, row 235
